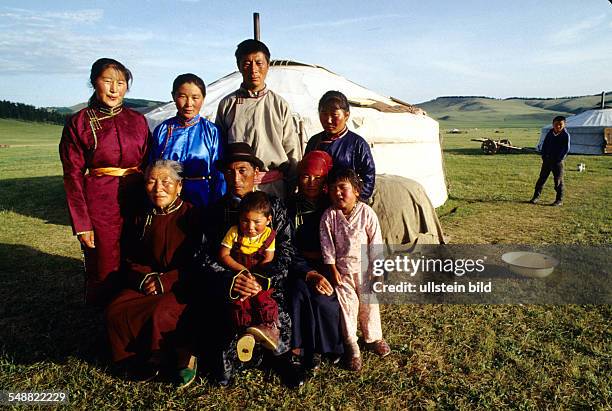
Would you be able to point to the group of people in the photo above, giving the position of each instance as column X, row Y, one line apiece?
column 222, row 241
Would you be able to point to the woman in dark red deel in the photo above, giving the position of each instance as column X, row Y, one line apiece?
column 102, row 150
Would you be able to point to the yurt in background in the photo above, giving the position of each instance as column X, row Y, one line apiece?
column 404, row 140
column 590, row 132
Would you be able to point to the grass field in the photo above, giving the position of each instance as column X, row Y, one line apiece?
column 444, row 356
column 470, row 112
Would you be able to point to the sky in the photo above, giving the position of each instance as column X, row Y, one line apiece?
column 411, row 49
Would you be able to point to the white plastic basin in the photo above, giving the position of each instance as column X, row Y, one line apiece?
column 530, row 264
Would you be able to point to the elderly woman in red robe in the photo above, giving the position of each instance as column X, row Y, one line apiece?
column 146, row 323
column 102, row 150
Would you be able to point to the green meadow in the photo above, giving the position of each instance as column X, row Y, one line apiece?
column 515, row 112
column 444, row 356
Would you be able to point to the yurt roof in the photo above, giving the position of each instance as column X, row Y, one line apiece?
column 301, row 84
column 587, row 131
column 403, row 139
column 590, row 118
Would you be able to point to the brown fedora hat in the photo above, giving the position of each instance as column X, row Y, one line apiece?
column 238, row 152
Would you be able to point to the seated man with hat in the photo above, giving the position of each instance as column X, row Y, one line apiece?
column 240, row 167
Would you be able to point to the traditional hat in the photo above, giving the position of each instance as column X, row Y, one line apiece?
column 316, row 162
column 238, row 152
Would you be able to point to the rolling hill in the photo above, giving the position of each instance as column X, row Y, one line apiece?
column 137, row 104
column 476, row 111
column 464, row 111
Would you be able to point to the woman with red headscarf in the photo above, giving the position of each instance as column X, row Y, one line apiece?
column 315, row 313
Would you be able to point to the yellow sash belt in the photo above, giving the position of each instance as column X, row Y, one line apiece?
column 113, row 171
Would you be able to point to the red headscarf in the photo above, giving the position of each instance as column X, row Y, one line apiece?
column 316, row 162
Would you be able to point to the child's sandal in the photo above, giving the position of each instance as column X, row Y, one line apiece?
column 379, row 347
column 244, row 347
column 354, row 364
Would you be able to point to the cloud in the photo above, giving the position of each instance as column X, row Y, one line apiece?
column 569, row 34
column 49, row 18
column 66, row 43
column 61, row 51
column 342, row 22
column 53, row 42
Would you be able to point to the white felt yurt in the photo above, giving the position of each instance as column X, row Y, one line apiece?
column 587, row 132
column 404, row 140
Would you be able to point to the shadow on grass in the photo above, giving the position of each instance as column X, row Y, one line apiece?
column 38, row 197
column 477, row 151
column 501, row 199
column 42, row 316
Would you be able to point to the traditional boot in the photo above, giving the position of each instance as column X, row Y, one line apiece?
column 185, row 376
column 267, row 334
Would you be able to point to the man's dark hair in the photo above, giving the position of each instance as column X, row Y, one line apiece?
column 188, row 78
column 558, row 118
column 251, row 46
column 334, row 99
column 256, row 201
column 345, row 174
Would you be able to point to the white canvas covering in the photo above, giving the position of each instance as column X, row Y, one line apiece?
column 403, row 144
column 586, row 131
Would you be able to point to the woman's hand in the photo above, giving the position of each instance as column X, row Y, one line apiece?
column 151, row 286
column 319, row 283
column 246, row 285
column 87, row 239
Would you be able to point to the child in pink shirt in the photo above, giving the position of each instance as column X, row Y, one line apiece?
column 345, row 228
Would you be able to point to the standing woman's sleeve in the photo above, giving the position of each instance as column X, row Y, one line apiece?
column 146, row 158
column 154, row 142
column 72, row 155
column 216, row 151
column 366, row 170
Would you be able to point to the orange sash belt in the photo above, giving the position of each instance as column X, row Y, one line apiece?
column 113, row 171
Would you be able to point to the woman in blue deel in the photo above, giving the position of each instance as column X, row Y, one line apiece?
column 191, row 140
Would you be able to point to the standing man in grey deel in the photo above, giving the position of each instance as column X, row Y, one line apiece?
column 256, row 115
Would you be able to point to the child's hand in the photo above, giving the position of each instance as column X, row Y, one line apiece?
column 336, row 278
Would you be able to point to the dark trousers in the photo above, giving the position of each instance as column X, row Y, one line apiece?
column 255, row 310
column 556, row 168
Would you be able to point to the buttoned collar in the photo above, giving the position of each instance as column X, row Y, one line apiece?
column 108, row 111
column 187, row 123
column 244, row 92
